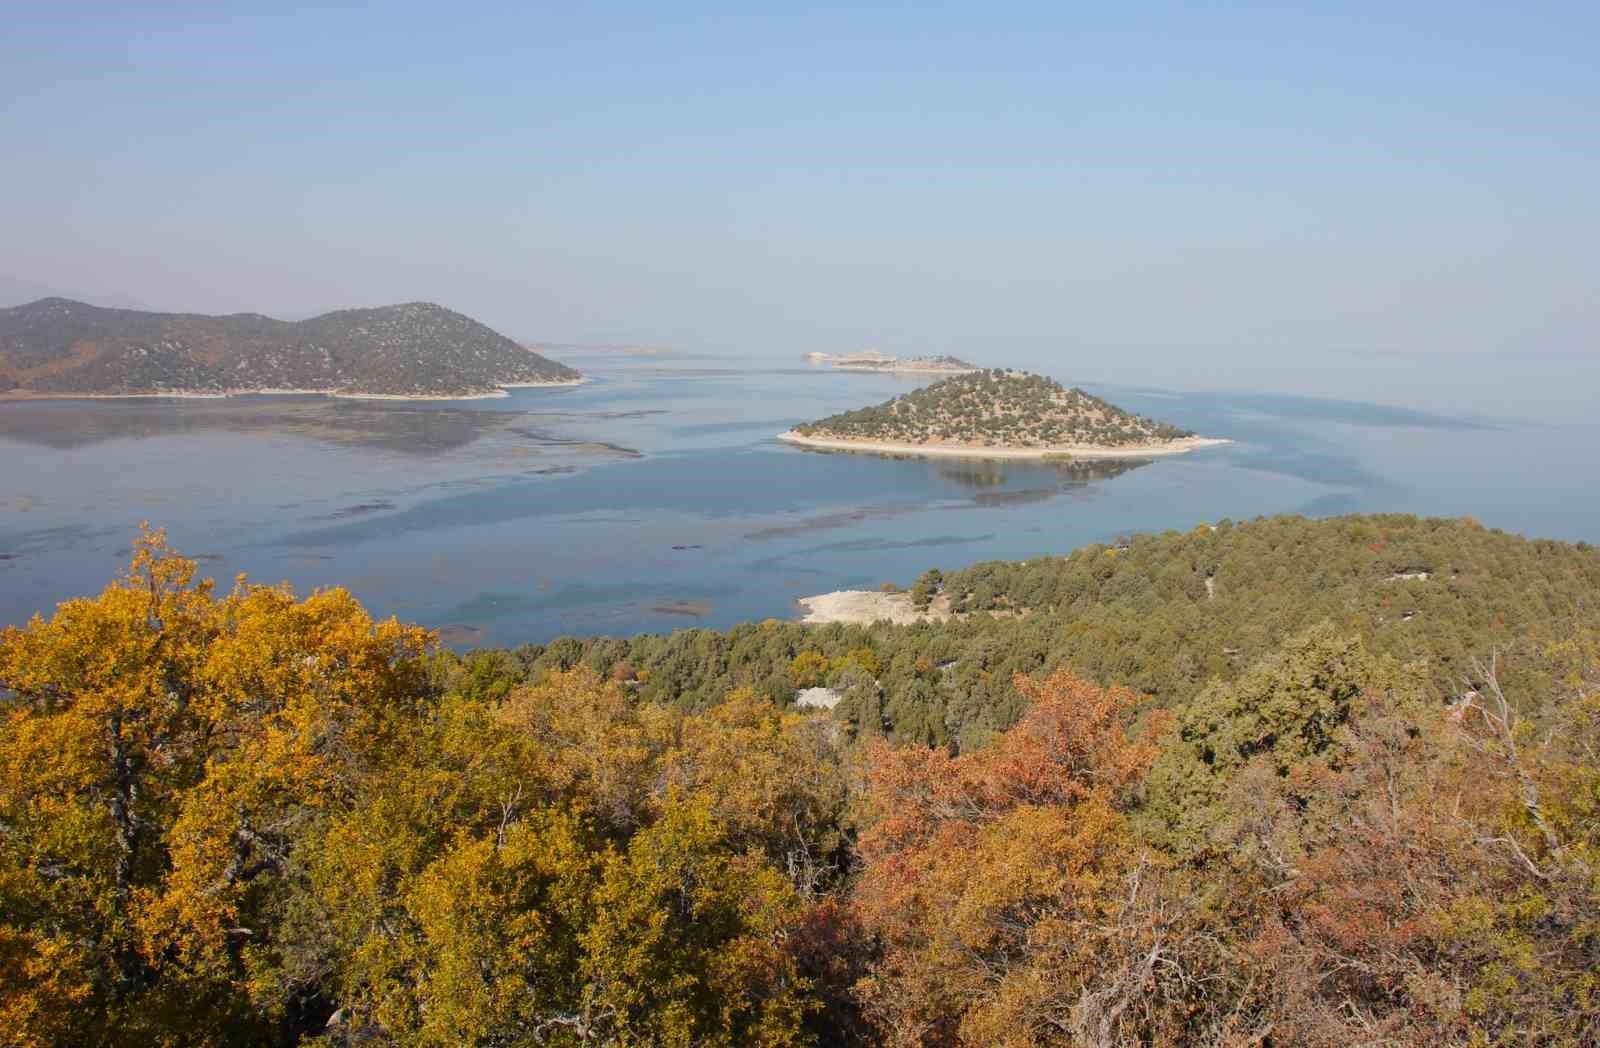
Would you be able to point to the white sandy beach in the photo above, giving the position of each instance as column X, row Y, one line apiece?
column 28, row 394
column 580, row 380
column 495, row 394
column 1077, row 451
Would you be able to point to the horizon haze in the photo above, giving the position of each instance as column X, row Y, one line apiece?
column 1377, row 204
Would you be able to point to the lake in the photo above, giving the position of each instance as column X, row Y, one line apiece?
column 655, row 497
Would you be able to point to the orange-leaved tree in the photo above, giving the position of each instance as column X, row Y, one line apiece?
column 1438, row 882
column 997, row 882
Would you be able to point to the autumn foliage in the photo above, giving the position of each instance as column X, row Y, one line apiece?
column 984, row 871
column 1400, row 874
column 254, row 818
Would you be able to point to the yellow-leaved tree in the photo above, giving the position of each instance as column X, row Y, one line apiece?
column 160, row 745
column 254, row 818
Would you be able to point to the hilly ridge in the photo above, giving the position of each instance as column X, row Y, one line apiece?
column 60, row 346
column 996, row 408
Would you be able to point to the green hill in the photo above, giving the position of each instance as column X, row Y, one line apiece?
column 995, row 408
column 1164, row 614
column 56, row 345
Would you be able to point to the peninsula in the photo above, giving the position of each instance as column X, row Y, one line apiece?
column 885, row 364
column 998, row 414
column 57, row 347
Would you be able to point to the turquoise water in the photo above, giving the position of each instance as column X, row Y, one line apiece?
column 655, row 497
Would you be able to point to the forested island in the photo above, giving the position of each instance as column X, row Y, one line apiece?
column 997, row 413
column 1282, row 782
column 58, row 347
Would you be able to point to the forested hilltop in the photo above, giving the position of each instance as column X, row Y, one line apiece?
column 995, row 408
column 59, row 346
column 1352, row 797
column 1163, row 614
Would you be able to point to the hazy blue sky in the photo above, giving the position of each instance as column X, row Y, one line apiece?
column 1338, row 197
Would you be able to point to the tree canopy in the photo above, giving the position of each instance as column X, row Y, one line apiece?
column 249, row 817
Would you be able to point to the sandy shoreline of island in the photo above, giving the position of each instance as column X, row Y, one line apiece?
column 191, row 394
column 1076, row 451
column 544, row 383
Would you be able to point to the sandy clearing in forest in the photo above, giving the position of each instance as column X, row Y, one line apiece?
column 869, row 606
column 864, row 607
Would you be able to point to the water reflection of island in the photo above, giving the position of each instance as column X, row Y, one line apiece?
column 996, row 483
column 985, row 474
column 408, row 428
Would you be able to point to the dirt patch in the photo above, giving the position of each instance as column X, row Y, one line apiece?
column 863, row 607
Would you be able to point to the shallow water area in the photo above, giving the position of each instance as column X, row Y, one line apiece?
column 656, row 496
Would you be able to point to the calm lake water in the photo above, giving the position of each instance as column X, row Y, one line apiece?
column 655, row 497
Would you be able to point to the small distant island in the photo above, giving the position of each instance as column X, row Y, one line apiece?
column 57, row 347
column 998, row 414
column 882, row 362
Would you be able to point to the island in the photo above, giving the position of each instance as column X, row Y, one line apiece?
column 882, row 363
column 998, row 413
column 57, row 347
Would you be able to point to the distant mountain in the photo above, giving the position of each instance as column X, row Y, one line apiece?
column 16, row 292
column 56, row 345
column 996, row 409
